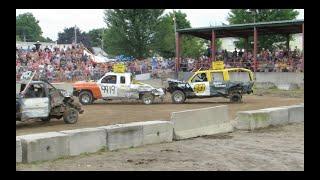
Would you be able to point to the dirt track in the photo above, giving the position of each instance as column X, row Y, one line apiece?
column 272, row 149
column 106, row 113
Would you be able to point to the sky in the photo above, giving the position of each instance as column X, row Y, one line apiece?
column 53, row 21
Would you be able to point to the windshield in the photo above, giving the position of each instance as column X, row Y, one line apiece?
column 186, row 76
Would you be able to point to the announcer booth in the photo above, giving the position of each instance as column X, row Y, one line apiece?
column 245, row 31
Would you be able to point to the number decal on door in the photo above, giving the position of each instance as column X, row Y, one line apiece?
column 199, row 88
column 108, row 89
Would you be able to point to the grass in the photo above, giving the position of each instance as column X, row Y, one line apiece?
column 298, row 93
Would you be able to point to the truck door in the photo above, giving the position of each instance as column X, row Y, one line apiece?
column 218, row 84
column 35, row 103
column 200, row 84
column 123, row 86
column 108, row 86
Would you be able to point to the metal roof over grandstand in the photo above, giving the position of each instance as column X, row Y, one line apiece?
column 245, row 30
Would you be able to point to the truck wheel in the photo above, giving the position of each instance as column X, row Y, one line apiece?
column 85, row 98
column 178, row 97
column 45, row 119
column 235, row 97
column 70, row 116
column 147, row 98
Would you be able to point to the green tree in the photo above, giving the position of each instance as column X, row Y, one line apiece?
column 131, row 31
column 18, row 38
column 95, row 36
column 241, row 16
column 165, row 38
column 43, row 39
column 28, row 26
column 67, row 37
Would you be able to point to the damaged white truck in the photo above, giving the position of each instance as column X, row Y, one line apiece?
column 40, row 99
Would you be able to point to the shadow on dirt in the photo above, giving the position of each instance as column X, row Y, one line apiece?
column 218, row 136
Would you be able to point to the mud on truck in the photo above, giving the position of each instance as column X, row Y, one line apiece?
column 40, row 99
column 229, row 83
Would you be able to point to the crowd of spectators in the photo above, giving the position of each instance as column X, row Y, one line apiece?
column 267, row 61
column 72, row 64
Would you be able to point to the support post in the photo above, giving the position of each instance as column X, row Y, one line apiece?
column 246, row 44
column 178, row 51
column 303, row 45
column 288, row 42
column 255, row 48
column 213, row 45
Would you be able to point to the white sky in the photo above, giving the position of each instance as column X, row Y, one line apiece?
column 53, row 21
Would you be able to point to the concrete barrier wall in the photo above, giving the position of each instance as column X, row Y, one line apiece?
column 141, row 77
column 155, row 131
column 87, row 140
column 18, row 150
column 200, row 122
column 280, row 77
column 44, row 146
column 123, row 136
column 296, row 113
column 273, row 77
column 250, row 120
column 53, row 145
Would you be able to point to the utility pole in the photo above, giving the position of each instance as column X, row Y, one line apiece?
column 102, row 38
column 174, row 21
column 75, row 34
column 24, row 36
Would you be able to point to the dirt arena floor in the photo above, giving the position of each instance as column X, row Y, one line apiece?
column 115, row 112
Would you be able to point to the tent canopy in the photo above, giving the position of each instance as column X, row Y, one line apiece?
column 246, row 30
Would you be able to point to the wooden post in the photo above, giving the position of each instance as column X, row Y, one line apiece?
column 213, row 45
column 255, row 48
column 303, row 45
column 178, row 51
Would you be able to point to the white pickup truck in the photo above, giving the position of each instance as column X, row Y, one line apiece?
column 116, row 86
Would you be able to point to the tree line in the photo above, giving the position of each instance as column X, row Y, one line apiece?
column 147, row 32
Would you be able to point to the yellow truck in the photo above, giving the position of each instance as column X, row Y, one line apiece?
column 218, row 81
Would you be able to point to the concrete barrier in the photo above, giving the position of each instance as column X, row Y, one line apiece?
column 250, row 120
column 296, row 113
column 264, row 85
column 155, row 131
column 288, row 86
column 145, row 76
column 200, row 122
column 18, row 150
column 122, row 136
column 277, row 115
column 87, row 140
column 44, row 146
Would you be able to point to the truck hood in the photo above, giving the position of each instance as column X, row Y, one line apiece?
column 175, row 80
column 84, row 83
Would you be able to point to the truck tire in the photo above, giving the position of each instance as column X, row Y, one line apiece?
column 85, row 97
column 178, row 97
column 147, row 98
column 235, row 97
column 70, row 116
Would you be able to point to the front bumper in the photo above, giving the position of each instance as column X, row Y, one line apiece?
column 75, row 92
